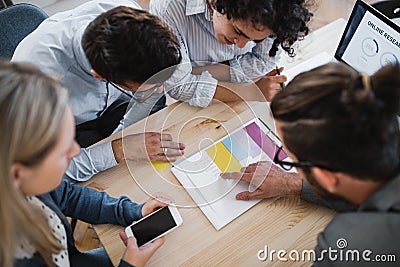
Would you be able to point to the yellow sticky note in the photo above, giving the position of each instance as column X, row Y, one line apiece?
column 160, row 165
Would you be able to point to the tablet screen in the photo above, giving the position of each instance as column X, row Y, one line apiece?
column 370, row 40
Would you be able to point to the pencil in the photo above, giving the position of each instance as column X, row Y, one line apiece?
column 278, row 72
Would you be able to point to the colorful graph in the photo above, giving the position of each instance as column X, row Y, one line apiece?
column 243, row 146
column 200, row 173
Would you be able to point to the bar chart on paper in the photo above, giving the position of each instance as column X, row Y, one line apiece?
column 200, row 172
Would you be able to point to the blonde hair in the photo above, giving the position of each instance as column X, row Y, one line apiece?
column 32, row 107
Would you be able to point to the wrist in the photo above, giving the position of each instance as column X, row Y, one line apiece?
column 293, row 184
column 117, row 150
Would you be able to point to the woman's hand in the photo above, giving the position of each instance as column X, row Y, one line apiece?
column 271, row 83
column 136, row 256
column 159, row 200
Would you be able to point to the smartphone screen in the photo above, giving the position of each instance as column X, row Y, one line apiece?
column 153, row 226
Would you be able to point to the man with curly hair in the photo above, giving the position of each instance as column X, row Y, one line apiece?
column 245, row 35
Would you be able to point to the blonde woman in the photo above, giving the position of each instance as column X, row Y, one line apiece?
column 36, row 146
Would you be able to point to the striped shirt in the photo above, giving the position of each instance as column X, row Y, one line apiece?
column 191, row 21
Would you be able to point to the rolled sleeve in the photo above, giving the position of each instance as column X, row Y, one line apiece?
column 236, row 71
column 197, row 90
column 205, row 90
column 91, row 161
column 255, row 63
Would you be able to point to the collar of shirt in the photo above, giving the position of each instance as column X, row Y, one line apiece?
column 79, row 54
column 194, row 7
column 385, row 199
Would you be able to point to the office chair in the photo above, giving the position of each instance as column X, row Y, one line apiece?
column 17, row 22
column 390, row 8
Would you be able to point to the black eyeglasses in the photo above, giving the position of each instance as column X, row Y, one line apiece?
column 139, row 96
column 287, row 165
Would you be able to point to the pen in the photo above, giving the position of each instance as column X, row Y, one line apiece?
column 279, row 73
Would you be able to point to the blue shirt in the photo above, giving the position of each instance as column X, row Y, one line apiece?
column 191, row 21
column 89, row 206
column 55, row 47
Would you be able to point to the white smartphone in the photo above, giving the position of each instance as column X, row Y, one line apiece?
column 154, row 225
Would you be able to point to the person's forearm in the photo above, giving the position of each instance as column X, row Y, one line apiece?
column 293, row 184
column 254, row 64
column 95, row 207
column 228, row 92
column 117, row 150
column 89, row 162
column 219, row 71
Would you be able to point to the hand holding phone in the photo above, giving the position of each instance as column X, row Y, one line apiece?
column 159, row 200
column 154, row 225
column 139, row 256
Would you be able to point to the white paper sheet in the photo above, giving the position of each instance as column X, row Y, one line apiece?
column 200, row 172
column 316, row 61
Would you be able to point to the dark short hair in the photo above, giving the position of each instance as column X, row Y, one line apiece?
column 130, row 45
column 331, row 117
column 288, row 19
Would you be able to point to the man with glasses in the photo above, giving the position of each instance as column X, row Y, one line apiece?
column 108, row 54
column 277, row 182
column 244, row 36
column 341, row 130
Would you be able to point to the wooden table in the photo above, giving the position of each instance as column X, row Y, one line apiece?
column 285, row 224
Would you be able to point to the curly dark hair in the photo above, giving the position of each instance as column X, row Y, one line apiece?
column 126, row 44
column 288, row 19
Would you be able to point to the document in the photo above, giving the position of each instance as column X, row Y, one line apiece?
column 316, row 61
column 200, row 172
